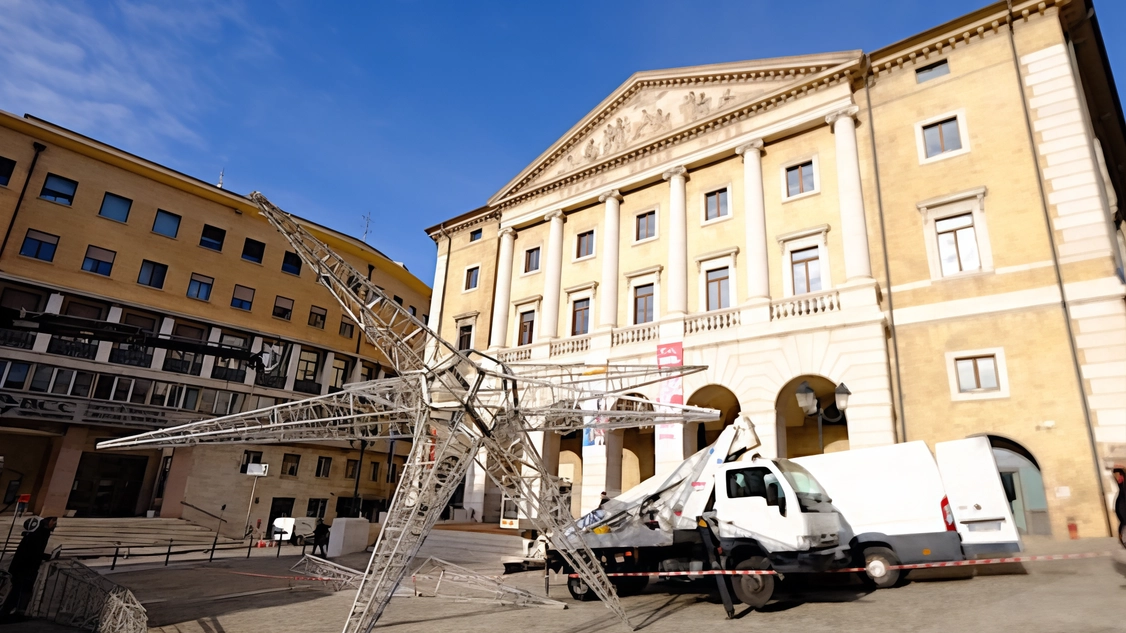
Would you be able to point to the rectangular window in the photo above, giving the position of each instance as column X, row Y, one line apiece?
column 152, row 274
column 290, row 464
column 932, row 71
column 200, row 287
column 715, row 204
column 718, row 295
column 249, row 457
column 212, row 237
column 580, row 317
column 375, row 471
column 317, row 317
column 646, row 226
column 942, row 137
column 324, row 465
column 584, row 246
column 464, row 337
column 350, row 469
column 806, row 266
column 978, row 373
column 413, row 310
column 527, row 327
column 308, row 365
column 291, row 263
column 115, row 207
column 643, row 304
column 472, row 277
column 532, row 260
column 475, row 235
column 7, row 166
column 347, row 328
column 242, row 298
column 39, row 245
column 253, row 250
column 338, row 374
column 283, row 308
column 398, row 299
column 98, row 260
column 392, row 472
column 316, row 508
column 166, row 224
column 957, row 244
column 799, row 179
column 59, row 189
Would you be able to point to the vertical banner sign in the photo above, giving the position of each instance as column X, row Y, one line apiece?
column 672, row 391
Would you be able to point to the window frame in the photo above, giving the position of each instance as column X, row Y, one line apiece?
column 723, row 288
column 1000, row 364
column 345, row 321
column 323, row 473
column 299, row 263
column 296, row 465
column 203, row 235
column 801, row 240
column 942, row 63
column 161, row 213
column 589, row 313
column 704, row 219
column 210, row 286
column 234, row 297
column 476, row 235
column 56, row 193
column 246, row 244
column 87, row 257
column 963, row 134
column 464, row 329
column 54, row 246
column 323, row 314
column 476, row 281
column 709, row 262
column 163, row 276
column 971, row 201
column 274, row 312
column 796, row 162
column 7, row 170
column 579, row 238
column 539, row 261
column 656, row 226
column 128, row 207
column 531, row 330
column 634, row 279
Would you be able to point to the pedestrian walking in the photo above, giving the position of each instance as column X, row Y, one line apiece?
column 1120, row 503
column 320, row 538
column 24, row 567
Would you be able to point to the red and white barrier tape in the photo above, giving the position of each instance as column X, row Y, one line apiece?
column 953, row 563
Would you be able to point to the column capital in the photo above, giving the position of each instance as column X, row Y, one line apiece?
column 613, row 193
column 506, row 231
column 675, row 171
column 558, row 213
column 755, row 145
column 850, row 112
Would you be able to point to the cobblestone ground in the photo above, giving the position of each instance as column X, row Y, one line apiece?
column 1066, row 596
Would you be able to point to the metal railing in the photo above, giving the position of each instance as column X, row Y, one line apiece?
column 70, row 593
column 218, row 372
column 131, row 355
column 17, row 338
column 73, row 347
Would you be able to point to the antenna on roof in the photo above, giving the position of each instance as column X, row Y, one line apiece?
column 367, row 225
column 220, row 185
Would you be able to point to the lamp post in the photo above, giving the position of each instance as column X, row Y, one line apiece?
column 807, row 400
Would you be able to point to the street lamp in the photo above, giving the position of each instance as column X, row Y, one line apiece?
column 807, row 400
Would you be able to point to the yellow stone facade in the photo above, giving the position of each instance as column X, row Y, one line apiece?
column 1032, row 155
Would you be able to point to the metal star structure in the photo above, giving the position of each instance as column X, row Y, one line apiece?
column 456, row 407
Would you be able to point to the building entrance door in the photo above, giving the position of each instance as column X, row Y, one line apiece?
column 279, row 507
column 107, row 485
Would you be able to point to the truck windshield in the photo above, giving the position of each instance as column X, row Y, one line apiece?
column 804, row 484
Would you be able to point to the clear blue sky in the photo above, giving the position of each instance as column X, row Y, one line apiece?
column 412, row 111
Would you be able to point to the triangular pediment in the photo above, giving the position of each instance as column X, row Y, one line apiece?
column 652, row 104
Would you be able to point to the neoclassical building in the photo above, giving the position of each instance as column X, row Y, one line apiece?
column 933, row 225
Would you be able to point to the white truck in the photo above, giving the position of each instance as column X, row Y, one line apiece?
column 762, row 513
column 899, row 505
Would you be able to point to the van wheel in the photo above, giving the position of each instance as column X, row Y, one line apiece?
column 878, row 562
column 630, row 585
column 754, row 591
column 299, row 541
column 580, row 591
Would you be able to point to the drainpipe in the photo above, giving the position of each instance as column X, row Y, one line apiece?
column 1059, row 274
column 39, row 147
column 884, row 241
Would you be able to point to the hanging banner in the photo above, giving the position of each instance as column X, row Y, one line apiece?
column 672, row 390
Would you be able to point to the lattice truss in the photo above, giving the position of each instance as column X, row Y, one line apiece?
column 455, row 407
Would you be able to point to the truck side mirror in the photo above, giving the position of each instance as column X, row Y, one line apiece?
column 773, row 498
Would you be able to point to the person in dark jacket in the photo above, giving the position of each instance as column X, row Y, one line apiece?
column 320, row 538
column 24, row 567
column 1120, row 503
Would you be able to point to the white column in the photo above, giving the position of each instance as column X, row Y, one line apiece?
column 54, row 306
column 854, row 229
column 498, row 334
column 758, row 271
column 251, row 373
column 159, row 353
column 208, row 364
column 437, row 296
column 676, row 289
column 291, row 370
column 105, row 347
column 611, row 222
column 553, row 271
column 326, row 372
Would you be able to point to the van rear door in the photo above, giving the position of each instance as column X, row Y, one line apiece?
column 982, row 513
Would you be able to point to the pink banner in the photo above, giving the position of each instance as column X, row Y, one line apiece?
column 671, row 391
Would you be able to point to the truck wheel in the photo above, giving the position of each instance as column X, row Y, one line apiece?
column 299, row 540
column 754, row 591
column 630, row 585
column 877, row 568
column 580, row 591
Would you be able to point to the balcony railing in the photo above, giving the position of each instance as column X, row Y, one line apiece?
column 191, row 365
column 230, row 374
column 307, row 386
column 636, row 334
column 73, row 347
column 570, row 345
column 131, row 355
column 712, row 321
column 16, row 338
column 516, row 355
column 805, row 305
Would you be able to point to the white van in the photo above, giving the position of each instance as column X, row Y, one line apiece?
column 899, row 505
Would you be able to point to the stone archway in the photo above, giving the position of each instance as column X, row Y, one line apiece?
column 720, row 398
column 797, row 432
column 638, row 445
column 1023, row 484
column 571, row 467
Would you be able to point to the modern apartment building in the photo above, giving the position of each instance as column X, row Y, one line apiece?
column 103, row 249
column 932, row 227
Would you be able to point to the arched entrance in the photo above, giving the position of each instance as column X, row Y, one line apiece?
column 1024, row 486
column 638, row 447
column 716, row 397
column 571, row 467
column 797, row 432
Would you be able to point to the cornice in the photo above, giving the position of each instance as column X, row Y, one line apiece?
column 437, row 232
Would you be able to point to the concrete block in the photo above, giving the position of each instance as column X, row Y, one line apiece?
column 348, row 536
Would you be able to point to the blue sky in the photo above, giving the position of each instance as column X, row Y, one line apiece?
column 412, row 111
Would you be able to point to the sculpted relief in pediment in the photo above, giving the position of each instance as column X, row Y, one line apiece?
column 649, row 114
